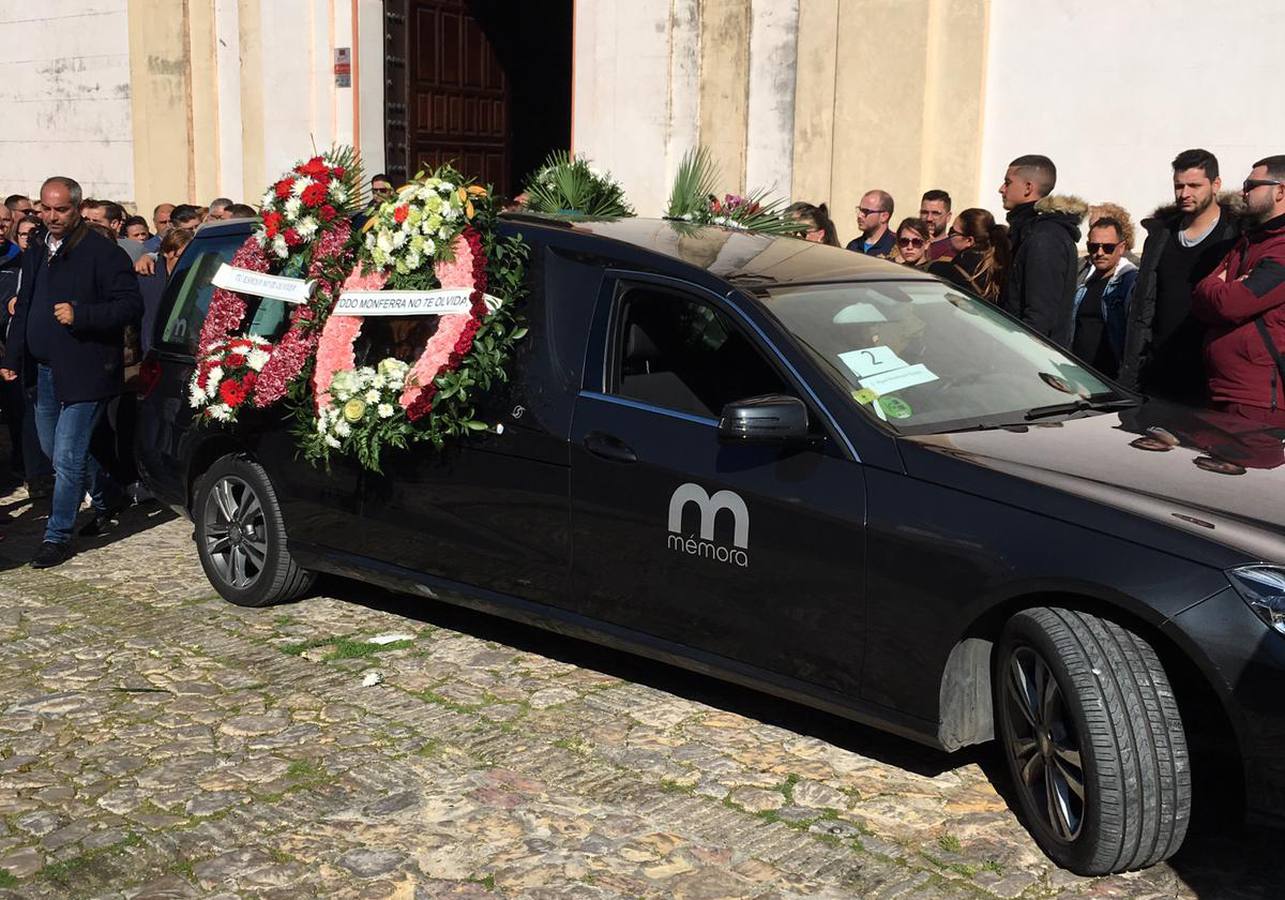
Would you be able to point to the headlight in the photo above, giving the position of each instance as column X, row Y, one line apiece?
column 1263, row 588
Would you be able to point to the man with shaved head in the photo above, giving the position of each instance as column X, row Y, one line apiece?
column 874, row 213
column 1044, row 229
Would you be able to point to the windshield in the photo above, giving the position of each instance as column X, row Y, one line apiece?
column 924, row 357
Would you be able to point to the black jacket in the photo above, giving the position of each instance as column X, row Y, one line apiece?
column 1040, row 286
column 1138, row 348
column 10, row 264
column 95, row 276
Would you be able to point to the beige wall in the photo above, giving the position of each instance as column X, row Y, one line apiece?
column 159, row 75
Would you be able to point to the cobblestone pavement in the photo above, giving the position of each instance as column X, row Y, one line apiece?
column 158, row 742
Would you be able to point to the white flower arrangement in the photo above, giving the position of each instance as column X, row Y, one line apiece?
column 405, row 230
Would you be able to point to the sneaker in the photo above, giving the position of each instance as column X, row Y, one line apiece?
column 104, row 522
column 50, row 555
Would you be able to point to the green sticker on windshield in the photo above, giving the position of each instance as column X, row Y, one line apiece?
column 895, row 407
column 865, row 396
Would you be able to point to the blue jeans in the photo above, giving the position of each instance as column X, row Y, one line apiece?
column 65, row 430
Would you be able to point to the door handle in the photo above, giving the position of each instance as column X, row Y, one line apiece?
column 609, row 447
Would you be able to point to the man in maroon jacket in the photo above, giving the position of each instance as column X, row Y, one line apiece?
column 1243, row 304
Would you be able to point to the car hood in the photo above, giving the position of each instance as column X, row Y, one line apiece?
column 1213, row 477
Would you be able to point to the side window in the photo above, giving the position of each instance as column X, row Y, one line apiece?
column 679, row 353
column 191, row 298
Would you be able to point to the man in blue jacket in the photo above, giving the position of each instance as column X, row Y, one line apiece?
column 78, row 294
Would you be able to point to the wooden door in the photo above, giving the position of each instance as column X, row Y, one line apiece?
column 451, row 90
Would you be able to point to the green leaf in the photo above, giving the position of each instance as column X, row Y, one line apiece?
column 474, row 425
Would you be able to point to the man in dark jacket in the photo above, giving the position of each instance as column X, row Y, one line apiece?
column 78, row 293
column 1040, row 285
column 10, row 394
column 1243, row 303
column 1185, row 242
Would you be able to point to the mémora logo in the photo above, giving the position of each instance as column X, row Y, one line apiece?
column 709, row 508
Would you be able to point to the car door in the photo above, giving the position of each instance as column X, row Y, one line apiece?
column 752, row 552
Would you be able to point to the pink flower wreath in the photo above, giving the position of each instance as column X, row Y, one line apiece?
column 445, row 350
column 289, row 355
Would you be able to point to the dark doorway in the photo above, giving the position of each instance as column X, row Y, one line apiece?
column 485, row 84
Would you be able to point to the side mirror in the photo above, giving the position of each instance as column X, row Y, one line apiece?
column 770, row 419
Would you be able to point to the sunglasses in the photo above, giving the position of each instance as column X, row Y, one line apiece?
column 1094, row 247
column 958, row 234
column 1251, row 183
column 869, row 212
column 910, row 242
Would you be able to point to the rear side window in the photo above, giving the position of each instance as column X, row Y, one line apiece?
column 190, row 290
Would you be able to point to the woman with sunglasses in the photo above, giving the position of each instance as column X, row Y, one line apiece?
column 980, row 254
column 913, row 236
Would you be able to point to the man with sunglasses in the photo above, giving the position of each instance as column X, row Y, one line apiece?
column 1185, row 242
column 874, row 212
column 1243, row 305
column 1102, row 298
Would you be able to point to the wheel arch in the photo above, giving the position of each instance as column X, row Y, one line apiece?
column 966, row 709
column 204, row 455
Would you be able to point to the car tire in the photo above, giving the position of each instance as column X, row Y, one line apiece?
column 1074, row 688
column 241, row 536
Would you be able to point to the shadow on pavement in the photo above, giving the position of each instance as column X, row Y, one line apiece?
column 22, row 524
column 1221, row 857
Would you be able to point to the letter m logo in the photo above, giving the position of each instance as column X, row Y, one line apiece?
column 709, row 508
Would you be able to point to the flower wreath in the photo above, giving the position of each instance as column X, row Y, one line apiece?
column 436, row 232
column 306, row 228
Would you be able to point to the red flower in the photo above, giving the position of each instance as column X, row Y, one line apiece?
column 292, row 238
column 313, row 167
column 284, row 186
column 249, row 380
column 326, row 213
column 337, row 171
column 235, row 360
column 314, row 194
column 400, row 214
column 232, row 392
column 272, row 223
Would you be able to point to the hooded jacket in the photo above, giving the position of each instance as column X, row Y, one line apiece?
column 1139, row 345
column 1115, row 301
column 1248, row 286
column 1039, row 288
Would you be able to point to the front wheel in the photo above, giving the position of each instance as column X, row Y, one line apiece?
column 241, row 536
column 1094, row 741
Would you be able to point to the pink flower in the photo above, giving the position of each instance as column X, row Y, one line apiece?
column 458, row 272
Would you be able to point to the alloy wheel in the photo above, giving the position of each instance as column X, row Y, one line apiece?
column 1043, row 743
column 236, row 536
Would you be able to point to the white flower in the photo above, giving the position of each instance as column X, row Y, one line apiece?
column 306, row 227
column 342, row 428
column 300, row 185
column 279, row 247
column 321, row 425
column 370, row 240
column 385, row 241
column 257, row 359
column 294, row 206
column 385, row 410
column 221, row 411
column 429, row 247
column 337, row 192
column 212, row 380
column 269, row 197
column 413, row 261
column 196, row 396
column 399, row 239
column 332, row 442
column 446, row 187
column 372, row 396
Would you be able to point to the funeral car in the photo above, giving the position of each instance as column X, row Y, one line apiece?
column 823, row 476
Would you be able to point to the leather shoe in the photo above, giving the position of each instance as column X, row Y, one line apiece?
column 50, row 555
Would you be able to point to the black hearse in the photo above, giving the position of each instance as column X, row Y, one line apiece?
column 824, row 476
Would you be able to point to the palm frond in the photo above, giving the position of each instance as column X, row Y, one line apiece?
column 695, row 180
column 567, row 185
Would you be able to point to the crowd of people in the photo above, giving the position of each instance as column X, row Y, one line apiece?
column 1198, row 317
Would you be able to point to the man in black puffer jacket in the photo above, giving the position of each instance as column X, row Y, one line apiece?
column 1164, row 347
column 1040, row 285
column 78, row 293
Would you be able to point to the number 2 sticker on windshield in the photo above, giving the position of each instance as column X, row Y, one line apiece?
column 872, row 361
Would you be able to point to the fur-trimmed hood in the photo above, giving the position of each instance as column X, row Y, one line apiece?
column 1230, row 202
column 1067, row 204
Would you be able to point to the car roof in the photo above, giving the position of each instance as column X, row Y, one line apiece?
column 738, row 257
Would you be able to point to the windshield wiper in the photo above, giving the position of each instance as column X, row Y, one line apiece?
column 1081, row 405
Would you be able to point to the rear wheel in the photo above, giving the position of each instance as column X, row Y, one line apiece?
column 1094, row 741
column 241, row 536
